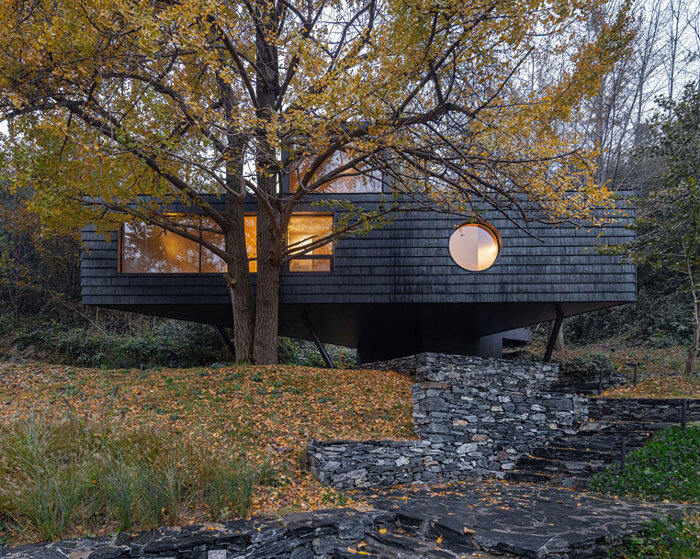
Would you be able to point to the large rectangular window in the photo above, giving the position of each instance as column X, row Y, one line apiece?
column 351, row 181
column 149, row 249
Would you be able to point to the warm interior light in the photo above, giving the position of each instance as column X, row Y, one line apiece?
column 475, row 246
column 305, row 229
column 148, row 249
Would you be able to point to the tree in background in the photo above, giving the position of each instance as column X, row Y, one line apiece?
column 668, row 222
column 117, row 109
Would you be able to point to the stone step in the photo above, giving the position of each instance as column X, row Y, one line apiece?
column 528, row 477
column 604, row 443
column 621, row 426
column 399, row 544
column 643, row 410
column 578, row 454
column 558, row 467
column 550, row 478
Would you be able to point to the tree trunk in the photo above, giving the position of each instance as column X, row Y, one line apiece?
column 267, row 299
column 238, row 276
column 693, row 350
column 270, row 235
column 238, row 279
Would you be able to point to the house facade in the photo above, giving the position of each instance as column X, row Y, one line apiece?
column 424, row 282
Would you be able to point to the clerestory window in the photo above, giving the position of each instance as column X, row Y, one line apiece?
column 356, row 180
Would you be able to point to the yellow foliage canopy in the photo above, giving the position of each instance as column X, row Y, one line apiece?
column 466, row 103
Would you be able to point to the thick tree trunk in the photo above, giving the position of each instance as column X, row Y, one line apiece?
column 238, row 279
column 267, row 299
column 270, row 235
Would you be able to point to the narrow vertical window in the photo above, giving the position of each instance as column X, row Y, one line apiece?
column 307, row 229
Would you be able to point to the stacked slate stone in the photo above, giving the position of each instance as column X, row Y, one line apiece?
column 475, row 417
column 572, row 459
column 362, row 464
column 309, row 535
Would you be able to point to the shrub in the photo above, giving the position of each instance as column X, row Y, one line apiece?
column 163, row 491
column 305, row 353
column 663, row 539
column 49, row 486
column 667, row 467
column 50, row 499
column 589, row 366
column 166, row 343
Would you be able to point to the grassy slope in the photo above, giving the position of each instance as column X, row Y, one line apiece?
column 263, row 412
column 660, row 372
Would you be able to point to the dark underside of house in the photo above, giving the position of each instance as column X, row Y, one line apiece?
column 395, row 291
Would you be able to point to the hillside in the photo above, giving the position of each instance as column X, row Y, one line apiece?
column 265, row 414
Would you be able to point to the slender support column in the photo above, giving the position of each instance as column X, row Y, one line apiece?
column 553, row 336
column 684, row 413
column 317, row 340
column 227, row 341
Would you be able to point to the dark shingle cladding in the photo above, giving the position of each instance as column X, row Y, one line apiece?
column 405, row 262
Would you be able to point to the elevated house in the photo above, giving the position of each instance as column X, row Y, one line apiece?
column 424, row 282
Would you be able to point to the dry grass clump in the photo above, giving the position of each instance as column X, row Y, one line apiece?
column 66, row 476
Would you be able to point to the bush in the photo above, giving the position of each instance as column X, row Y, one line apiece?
column 166, row 343
column 589, row 366
column 667, row 467
column 662, row 316
column 49, row 489
column 163, row 493
column 305, row 353
column 663, row 539
column 120, row 485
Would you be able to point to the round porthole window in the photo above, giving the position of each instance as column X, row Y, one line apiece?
column 475, row 246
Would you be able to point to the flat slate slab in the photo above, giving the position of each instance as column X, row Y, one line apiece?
column 527, row 520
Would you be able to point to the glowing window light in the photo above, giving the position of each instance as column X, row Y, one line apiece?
column 475, row 246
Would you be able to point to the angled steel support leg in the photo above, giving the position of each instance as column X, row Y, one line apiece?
column 227, row 341
column 553, row 336
column 317, row 340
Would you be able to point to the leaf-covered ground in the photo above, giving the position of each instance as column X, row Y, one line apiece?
column 266, row 413
column 660, row 371
column 658, row 387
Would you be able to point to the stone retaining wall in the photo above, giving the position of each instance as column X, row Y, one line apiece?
column 351, row 464
column 312, row 535
column 474, row 417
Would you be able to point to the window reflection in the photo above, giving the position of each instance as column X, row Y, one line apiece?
column 152, row 250
column 148, row 249
column 213, row 264
column 305, row 229
column 348, row 182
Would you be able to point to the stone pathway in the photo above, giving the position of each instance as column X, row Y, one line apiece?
column 570, row 460
column 526, row 520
